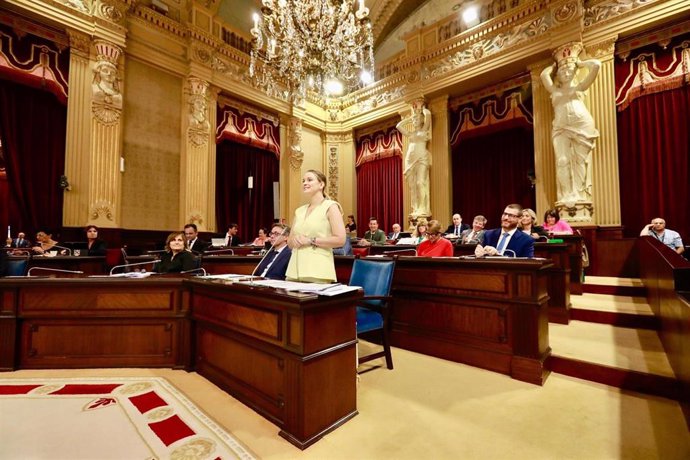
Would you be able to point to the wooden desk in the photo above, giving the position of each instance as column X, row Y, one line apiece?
column 574, row 243
column 489, row 313
column 90, row 265
column 58, row 323
column 291, row 357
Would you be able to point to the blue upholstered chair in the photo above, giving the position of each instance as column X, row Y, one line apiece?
column 18, row 265
column 375, row 278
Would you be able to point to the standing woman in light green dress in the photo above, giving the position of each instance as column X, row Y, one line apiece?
column 317, row 228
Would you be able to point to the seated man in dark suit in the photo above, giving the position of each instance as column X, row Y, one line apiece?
column 275, row 263
column 457, row 227
column 231, row 238
column 195, row 244
column 508, row 239
column 21, row 242
column 395, row 234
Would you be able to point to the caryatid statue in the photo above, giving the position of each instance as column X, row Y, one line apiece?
column 417, row 128
column 573, row 131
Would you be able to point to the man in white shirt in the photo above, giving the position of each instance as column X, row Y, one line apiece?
column 194, row 243
column 657, row 229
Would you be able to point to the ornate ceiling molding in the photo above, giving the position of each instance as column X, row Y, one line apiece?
column 598, row 12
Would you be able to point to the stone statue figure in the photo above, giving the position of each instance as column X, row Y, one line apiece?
column 105, row 86
column 573, row 131
column 418, row 158
column 295, row 139
column 197, row 113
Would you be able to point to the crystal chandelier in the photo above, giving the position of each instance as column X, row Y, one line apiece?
column 320, row 45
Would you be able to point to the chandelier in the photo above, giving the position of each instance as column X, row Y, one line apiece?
column 321, row 45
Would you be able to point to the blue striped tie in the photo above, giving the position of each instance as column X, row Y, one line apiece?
column 502, row 243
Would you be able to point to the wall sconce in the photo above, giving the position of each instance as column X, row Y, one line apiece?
column 64, row 184
column 531, row 178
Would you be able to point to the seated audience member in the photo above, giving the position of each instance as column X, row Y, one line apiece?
column 658, row 230
column 8, row 243
column 508, row 239
column 44, row 242
column 275, row 262
column 176, row 257
column 419, row 234
column 435, row 245
column 194, row 243
column 474, row 235
column 528, row 222
column 395, row 234
column 94, row 246
column 231, row 238
column 20, row 242
column 457, row 227
column 351, row 225
column 554, row 224
column 374, row 236
column 261, row 239
column 345, row 249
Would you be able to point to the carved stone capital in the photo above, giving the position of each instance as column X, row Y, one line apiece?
column 102, row 210
column 79, row 42
column 105, row 88
column 604, row 49
column 198, row 99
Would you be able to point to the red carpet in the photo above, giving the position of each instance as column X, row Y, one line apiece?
column 114, row 418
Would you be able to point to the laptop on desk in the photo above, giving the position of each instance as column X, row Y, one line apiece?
column 218, row 242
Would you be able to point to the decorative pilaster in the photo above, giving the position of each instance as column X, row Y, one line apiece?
column 77, row 148
column 339, row 152
column 602, row 104
column 105, row 182
column 197, row 158
column 440, row 174
column 544, row 165
column 289, row 178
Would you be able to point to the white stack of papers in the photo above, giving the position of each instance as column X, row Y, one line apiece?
column 227, row 276
column 314, row 288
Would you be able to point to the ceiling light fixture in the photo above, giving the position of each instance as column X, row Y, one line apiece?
column 309, row 44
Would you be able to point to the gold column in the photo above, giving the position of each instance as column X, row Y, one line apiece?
column 77, row 158
column 291, row 159
column 440, row 174
column 602, row 104
column 197, row 175
column 406, row 193
column 544, row 166
column 340, row 154
column 105, row 182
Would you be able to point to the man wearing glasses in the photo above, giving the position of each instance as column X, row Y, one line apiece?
column 507, row 240
column 657, row 229
column 275, row 262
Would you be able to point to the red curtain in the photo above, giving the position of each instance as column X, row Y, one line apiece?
column 234, row 202
column 379, row 193
column 490, row 172
column 654, row 164
column 32, row 128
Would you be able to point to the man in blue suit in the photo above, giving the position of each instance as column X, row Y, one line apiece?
column 275, row 263
column 507, row 240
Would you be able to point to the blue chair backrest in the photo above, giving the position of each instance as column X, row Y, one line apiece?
column 17, row 267
column 374, row 277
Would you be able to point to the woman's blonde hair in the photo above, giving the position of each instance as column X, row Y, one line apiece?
column 532, row 214
column 323, row 179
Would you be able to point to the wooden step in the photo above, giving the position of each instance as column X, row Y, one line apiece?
column 617, row 310
column 614, row 286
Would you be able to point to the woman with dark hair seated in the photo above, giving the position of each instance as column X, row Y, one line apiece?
column 554, row 224
column 528, row 224
column 44, row 242
column 94, row 246
column 176, row 257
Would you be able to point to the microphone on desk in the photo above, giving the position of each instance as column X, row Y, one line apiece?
column 58, row 270
column 132, row 265
column 509, row 250
column 69, row 251
column 200, row 269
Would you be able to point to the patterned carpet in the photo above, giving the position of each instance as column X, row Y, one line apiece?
column 107, row 418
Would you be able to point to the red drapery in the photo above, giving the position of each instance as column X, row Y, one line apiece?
column 654, row 164
column 32, row 128
column 491, row 171
column 235, row 163
column 379, row 180
column 247, row 128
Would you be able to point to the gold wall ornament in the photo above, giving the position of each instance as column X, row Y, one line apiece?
column 566, row 12
column 199, row 126
column 609, row 9
column 333, row 172
column 105, row 87
column 102, row 209
column 195, row 217
column 295, row 139
column 81, row 5
column 79, row 42
column 112, row 11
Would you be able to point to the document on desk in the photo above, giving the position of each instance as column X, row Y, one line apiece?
column 227, row 276
column 329, row 290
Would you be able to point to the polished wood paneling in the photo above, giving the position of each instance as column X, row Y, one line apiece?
column 498, row 321
column 299, row 372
